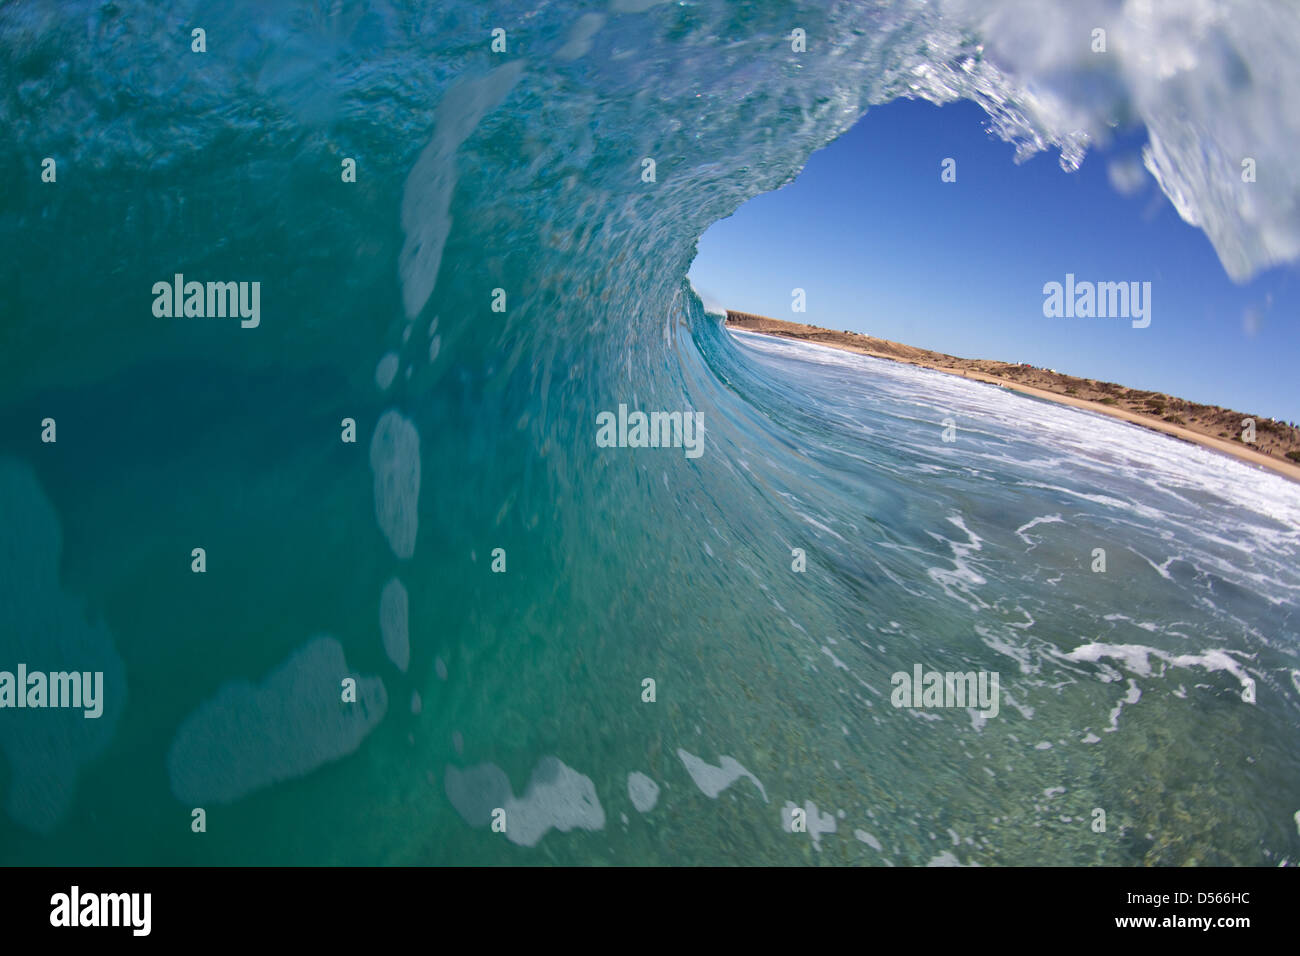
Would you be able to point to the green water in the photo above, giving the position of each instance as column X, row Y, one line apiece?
column 621, row 564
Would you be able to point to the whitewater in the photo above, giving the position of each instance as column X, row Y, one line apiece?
column 474, row 606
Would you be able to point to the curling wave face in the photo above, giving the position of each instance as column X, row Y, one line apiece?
column 499, row 274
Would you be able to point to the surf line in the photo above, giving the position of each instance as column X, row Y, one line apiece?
column 198, row 300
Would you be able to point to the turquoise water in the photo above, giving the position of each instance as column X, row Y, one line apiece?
column 523, row 690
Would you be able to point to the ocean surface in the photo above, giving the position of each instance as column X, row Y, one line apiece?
column 432, row 645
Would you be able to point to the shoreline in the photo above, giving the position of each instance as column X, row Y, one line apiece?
column 968, row 369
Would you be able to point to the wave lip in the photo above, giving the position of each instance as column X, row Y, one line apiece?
column 1211, row 81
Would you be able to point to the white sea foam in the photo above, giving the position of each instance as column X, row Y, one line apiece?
column 642, row 791
column 1133, row 695
column 426, row 196
column 477, row 791
column 868, row 839
column 249, row 736
column 959, row 582
column 386, row 371
column 1045, row 519
column 1137, row 658
column 713, row 780
column 817, row 823
column 394, row 624
column 557, row 797
column 395, row 462
column 947, row 858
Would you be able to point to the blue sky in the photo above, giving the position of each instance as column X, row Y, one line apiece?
column 881, row 245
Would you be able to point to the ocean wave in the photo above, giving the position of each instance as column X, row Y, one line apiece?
column 504, row 269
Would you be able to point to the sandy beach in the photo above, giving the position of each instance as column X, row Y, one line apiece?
column 1277, row 444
